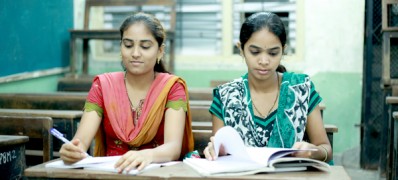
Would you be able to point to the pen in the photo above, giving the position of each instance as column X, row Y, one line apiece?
column 61, row 137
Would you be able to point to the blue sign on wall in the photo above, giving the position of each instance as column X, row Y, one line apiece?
column 34, row 35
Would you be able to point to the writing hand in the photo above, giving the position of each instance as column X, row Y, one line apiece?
column 134, row 159
column 71, row 152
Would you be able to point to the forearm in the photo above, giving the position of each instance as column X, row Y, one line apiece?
column 87, row 129
column 83, row 144
column 324, row 153
column 166, row 152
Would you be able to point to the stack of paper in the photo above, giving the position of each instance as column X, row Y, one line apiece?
column 99, row 164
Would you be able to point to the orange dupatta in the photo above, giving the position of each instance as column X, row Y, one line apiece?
column 118, row 110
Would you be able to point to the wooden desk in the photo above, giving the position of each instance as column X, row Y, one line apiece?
column 12, row 154
column 388, row 163
column 66, row 121
column 177, row 171
column 392, row 100
column 54, row 101
column 200, row 94
column 394, row 168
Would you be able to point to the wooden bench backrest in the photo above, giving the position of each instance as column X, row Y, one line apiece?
column 97, row 3
column 55, row 101
column 33, row 127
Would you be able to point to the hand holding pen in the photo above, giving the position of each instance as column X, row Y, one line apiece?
column 69, row 149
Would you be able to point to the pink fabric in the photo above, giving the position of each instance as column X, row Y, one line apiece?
column 117, row 115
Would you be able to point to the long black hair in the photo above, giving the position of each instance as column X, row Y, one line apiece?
column 156, row 28
column 259, row 21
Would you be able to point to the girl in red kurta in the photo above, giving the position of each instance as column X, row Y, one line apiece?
column 142, row 113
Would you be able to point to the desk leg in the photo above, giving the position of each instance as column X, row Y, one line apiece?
column 330, row 137
column 395, row 150
column 85, row 56
column 171, row 57
column 72, row 53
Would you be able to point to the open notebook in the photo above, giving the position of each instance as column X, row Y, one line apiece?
column 102, row 164
column 244, row 160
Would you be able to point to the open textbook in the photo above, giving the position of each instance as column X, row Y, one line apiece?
column 101, row 164
column 242, row 160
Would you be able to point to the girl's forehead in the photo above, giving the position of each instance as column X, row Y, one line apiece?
column 264, row 38
column 138, row 29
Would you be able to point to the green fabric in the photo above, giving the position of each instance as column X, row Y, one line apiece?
column 232, row 104
column 283, row 133
column 216, row 106
column 93, row 107
column 176, row 105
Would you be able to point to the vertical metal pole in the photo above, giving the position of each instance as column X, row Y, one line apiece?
column 367, row 78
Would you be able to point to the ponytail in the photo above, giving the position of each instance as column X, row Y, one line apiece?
column 159, row 67
column 281, row 68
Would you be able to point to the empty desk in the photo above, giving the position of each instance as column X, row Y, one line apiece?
column 12, row 156
column 65, row 121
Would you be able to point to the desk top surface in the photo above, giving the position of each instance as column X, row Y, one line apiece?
column 177, row 171
column 42, row 112
column 7, row 140
column 392, row 100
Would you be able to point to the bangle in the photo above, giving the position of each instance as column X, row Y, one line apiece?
column 326, row 153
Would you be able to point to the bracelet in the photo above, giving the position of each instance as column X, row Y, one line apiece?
column 326, row 153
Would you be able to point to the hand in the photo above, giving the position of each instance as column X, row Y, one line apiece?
column 71, row 152
column 304, row 145
column 209, row 151
column 134, row 159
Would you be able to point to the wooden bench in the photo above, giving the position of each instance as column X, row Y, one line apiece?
column 200, row 94
column 65, row 121
column 36, row 128
column 71, row 100
column 390, row 160
column 54, row 101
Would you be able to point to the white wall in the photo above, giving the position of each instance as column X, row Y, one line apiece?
column 333, row 35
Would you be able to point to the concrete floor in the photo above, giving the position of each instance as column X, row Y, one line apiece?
column 350, row 160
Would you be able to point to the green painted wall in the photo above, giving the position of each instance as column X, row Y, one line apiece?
column 341, row 93
column 202, row 78
column 35, row 85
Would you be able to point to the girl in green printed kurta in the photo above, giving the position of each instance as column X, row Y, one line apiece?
column 268, row 106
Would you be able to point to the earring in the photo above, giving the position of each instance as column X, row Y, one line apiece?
column 158, row 60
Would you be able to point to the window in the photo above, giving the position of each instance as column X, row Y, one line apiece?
column 198, row 27
column 113, row 17
column 286, row 9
